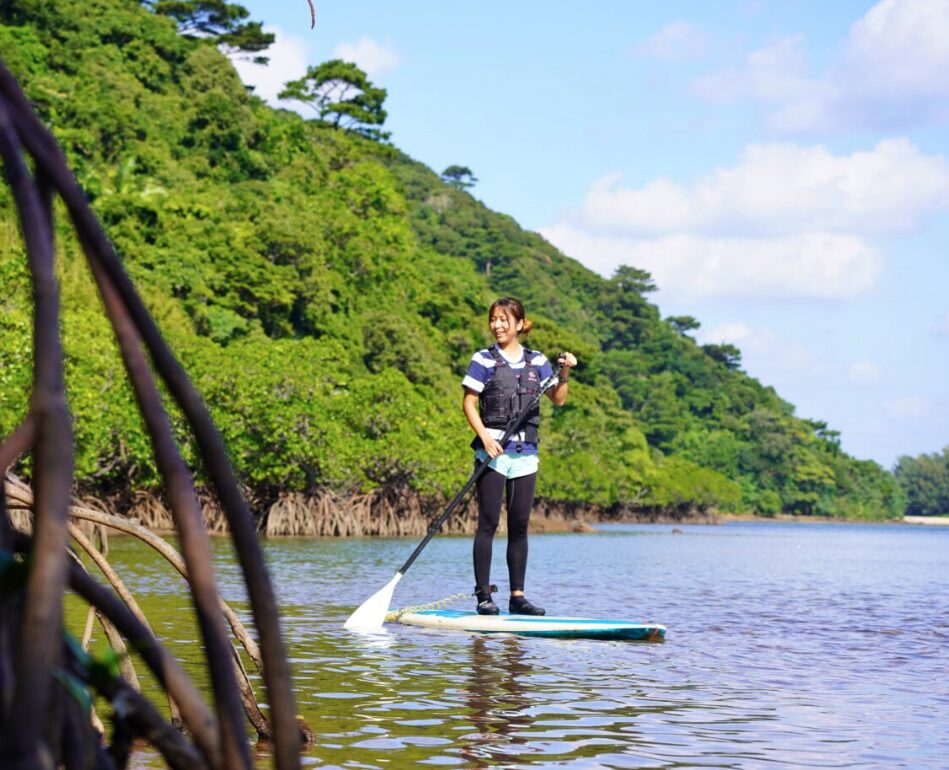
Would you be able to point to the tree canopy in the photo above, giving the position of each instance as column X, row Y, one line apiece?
column 459, row 177
column 726, row 353
column 342, row 95
column 220, row 21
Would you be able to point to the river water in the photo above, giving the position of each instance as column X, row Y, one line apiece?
column 804, row 645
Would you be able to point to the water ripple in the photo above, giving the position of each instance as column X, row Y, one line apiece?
column 816, row 646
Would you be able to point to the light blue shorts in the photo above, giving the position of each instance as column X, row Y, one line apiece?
column 511, row 465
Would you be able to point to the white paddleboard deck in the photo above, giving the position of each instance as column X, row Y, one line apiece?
column 530, row 625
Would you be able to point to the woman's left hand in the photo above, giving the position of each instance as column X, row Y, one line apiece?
column 559, row 394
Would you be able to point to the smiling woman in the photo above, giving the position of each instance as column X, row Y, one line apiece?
column 500, row 380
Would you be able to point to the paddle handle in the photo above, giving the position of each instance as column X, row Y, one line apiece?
column 512, row 427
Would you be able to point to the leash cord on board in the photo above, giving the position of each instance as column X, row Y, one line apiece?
column 437, row 604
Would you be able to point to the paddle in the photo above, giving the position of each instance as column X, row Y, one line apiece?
column 371, row 614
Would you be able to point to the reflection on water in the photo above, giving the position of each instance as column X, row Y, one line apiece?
column 805, row 645
column 497, row 700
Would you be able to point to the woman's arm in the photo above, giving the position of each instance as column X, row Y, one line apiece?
column 559, row 394
column 470, row 407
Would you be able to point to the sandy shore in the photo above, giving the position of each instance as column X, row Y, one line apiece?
column 931, row 520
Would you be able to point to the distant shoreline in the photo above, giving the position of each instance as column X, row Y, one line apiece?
column 795, row 519
column 927, row 520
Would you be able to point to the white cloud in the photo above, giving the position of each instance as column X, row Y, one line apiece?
column 941, row 328
column 727, row 333
column 899, row 48
column 288, row 61
column 910, row 407
column 775, row 360
column 766, row 355
column 889, row 72
column 864, row 373
column 779, row 189
column 775, row 73
column 785, row 221
column 818, row 265
column 371, row 57
column 678, row 41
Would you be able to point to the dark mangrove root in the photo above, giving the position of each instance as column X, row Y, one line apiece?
column 110, row 574
column 40, row 728
column 117, row 643
column 133, row 717
column 122, row 590
column 21, row 494
column 22, row 741
column 112, row 635
column 17, row 443
column 77, row 738
column 87, row 629
column 107, row 266
column 195, row 546
column 195, row 715
column 143, row 720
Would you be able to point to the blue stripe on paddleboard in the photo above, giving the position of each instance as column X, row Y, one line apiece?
column 534, row 618
column 526, row 625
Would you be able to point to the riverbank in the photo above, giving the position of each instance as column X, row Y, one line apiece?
column 401, row 513
column 381, row 513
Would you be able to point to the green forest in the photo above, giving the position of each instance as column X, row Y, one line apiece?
column 326, row 292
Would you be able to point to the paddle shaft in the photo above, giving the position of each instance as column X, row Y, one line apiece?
column 511, row 429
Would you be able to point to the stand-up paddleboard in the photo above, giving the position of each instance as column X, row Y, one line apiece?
column 530, row 625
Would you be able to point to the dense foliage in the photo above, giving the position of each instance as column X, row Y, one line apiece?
column 925, row 479
column 326, row 293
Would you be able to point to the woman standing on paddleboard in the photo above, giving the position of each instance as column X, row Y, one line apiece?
column 499, row 379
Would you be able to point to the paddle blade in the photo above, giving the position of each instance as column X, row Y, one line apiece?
column 371, row 614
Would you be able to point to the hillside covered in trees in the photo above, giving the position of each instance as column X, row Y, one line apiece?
column 326, row 292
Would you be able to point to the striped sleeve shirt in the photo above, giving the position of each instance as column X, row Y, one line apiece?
column 482, row 365
column 481, row 369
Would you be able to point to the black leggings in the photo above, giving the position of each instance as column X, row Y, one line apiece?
column 520, row 498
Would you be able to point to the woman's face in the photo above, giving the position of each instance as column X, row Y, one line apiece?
column 504, row 326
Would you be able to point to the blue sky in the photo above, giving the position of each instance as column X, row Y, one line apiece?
column 779, row 167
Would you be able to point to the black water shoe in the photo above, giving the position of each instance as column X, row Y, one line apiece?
column 520, row 606
column 485, row 604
